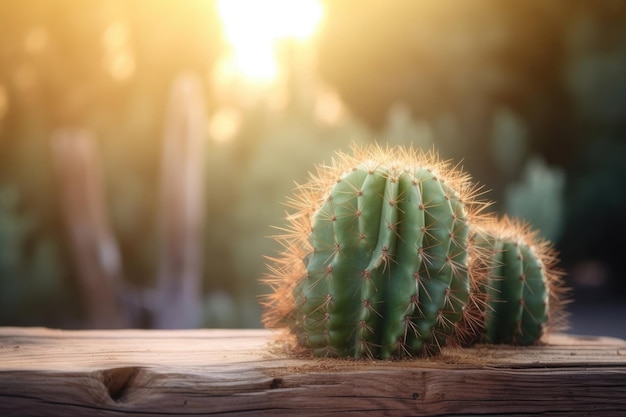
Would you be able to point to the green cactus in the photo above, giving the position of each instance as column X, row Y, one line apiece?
column 376, row 257
column 523, row 288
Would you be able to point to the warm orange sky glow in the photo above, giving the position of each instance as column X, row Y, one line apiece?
column 252, row 29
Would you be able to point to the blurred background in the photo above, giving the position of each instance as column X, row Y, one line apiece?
column 147, row 146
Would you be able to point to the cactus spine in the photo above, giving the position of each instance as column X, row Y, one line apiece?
column 523, row 289
column 375, row 258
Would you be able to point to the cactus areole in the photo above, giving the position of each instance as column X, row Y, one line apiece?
column 375, row 260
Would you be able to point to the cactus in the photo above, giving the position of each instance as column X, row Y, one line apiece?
column 375, row 259
column 523, row 288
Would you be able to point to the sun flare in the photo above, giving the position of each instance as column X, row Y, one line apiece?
column 252, row 29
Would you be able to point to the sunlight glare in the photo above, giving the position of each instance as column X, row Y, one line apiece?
column 252, row 29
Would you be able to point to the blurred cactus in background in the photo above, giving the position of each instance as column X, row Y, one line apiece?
column 402, row 129
column 527, row 95
column 99, row 68
column 538, row 198
column 509, row 141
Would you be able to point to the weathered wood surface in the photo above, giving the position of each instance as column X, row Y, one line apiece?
column 47, row 372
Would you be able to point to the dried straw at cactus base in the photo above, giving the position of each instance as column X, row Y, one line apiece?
column 375, row 258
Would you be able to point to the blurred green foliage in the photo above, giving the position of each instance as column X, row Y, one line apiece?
column 492, row 84
column 510, row 81
column 31, row 272
column 538, row 198
column 105, row 66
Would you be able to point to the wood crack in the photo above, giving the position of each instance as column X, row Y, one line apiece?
column 119, row 381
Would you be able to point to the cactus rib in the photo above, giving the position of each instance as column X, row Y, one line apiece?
column 523, row 290
column 375, row 259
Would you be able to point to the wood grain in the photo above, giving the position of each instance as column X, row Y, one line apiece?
column 46, row 372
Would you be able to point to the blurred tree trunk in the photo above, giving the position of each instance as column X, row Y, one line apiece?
column 179, row 292
column 83, row 204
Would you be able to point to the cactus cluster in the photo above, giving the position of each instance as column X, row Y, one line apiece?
column 387, row 254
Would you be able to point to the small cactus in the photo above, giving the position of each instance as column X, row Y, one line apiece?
column 523, row 289
column 375, row 259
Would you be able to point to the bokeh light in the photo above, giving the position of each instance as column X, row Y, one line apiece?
column 253, row 28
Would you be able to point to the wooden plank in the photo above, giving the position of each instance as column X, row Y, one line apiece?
column 243, row 372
